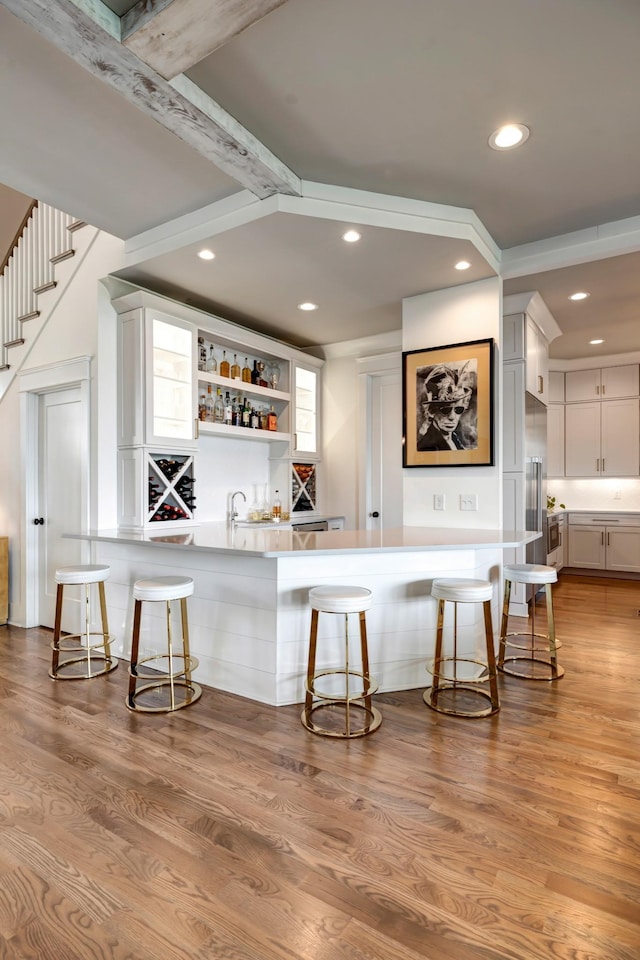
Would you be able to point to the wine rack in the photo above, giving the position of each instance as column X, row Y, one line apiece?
column 171, row 482
column 303, row 487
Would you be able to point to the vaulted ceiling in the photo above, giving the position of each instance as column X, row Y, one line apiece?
column 137, row 116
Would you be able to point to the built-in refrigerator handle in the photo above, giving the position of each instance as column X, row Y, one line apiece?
column 537, row 473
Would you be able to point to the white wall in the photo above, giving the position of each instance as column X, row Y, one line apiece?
column 71, row 331
column 456, row 315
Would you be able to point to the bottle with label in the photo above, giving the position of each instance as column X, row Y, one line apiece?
column 235, row 368
column 263, row 419
column 228, row 410
column 224, row 365
column 276, row 509
column 255, row 374
column 202, row 354
column 272, row 420
column 218, row 408
column 212, row 363
column 209, row 405
column 202, row 404
column 237, row 412
column 246, row 413
column 255, row 419
column 246, row 371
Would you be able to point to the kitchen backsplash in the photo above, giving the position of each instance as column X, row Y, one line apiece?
column 615, row 494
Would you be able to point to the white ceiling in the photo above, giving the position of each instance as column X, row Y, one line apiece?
column 395, row 98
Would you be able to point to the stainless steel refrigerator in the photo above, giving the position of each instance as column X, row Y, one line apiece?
column 535, row 452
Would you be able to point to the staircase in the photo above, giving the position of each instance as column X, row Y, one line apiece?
column 46, row 240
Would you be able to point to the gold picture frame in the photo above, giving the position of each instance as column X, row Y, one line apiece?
column 448, row 405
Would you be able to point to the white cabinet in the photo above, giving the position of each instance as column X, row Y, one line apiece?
column 587, row 547
column 536, row 362
column 556, row 386
column 605, row 543
column 603, row 439
column 555, row 440
column 513, row 416
column 607, row 383
column 306, row 421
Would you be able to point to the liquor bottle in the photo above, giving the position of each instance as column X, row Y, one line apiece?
column 272, row 420
column 255, row 373
column 276, row 509
column 228, row 410
column 246, row 413
column 255, row 419
column 235, row 368
column 212, row 363
column 224, row 365
column 237, row 412
column 263, row 419
column 209, row 414
column 246, row 371
column 202, row 354
column 218, row 408
column 202, row 404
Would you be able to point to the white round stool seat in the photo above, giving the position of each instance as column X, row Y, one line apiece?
column 462, row 590
column 340, row 599
column 163, row 588
column 83, row 573
column 536, row 573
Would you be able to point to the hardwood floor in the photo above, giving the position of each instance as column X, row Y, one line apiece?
column 227, row 832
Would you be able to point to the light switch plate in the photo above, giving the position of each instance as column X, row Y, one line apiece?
column 468, row 501
column 438, row 501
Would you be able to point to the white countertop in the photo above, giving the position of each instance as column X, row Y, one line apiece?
column 283, row 541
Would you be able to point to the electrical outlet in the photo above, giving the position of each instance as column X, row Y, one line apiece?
column 468, row 501
column 438, row 501
column 617, row 495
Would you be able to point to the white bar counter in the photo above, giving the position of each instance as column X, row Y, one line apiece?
column 249, row 616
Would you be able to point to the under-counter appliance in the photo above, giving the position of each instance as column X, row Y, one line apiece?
column 535, row 455
column 311, row 525
column 553, row 533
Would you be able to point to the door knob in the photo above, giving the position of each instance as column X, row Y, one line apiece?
column 39, row 520
column 374, row 514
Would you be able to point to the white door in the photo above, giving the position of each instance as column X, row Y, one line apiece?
column 63, row 468
column 385, row 461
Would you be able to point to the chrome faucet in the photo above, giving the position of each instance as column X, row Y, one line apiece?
column 233, row 513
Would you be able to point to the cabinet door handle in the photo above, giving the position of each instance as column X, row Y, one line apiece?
column 598, row 465
column 602, row 539
column 603, row 464
column 608, row 539
column 603, row 389
column 540, row 384
column 598, row 391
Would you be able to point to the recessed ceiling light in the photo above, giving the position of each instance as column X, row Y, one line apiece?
column 206, row 254
column 595, row 342
column 580, row 295
column 351, row 236
column 462, row 265
column 307, row 306
column 509, row 136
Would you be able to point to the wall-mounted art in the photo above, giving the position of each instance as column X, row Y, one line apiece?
column 448, row 405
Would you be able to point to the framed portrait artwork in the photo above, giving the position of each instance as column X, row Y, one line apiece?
column 448, row 405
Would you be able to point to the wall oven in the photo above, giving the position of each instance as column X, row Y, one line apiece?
column 553, row 533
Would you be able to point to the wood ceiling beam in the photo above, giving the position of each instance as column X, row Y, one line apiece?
column 82, row 30
column 172, row 35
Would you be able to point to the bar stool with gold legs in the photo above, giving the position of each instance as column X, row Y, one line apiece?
column 81, row 656
column 459, row 682
column 164, row 690
column 343, row 710
column 537, row 652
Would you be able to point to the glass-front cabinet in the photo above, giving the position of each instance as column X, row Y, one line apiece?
column 306, row 427
column 171, row 384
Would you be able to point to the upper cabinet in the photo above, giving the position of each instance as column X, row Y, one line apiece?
column 156, row 380
column 528, row 328
column 556, row 386
column 306, row 425
column 608, row 383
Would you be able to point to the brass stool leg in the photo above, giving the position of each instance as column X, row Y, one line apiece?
column 311, row 669
column 105, row 625
column 505, row 619
column 556, row 671
column 430, row 696
column 491, row 657
column 55, row 658
column 135, row 643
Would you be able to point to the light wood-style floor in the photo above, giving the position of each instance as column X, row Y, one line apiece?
column 227, row 832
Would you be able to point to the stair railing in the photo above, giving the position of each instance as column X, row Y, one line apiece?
column 29, row 270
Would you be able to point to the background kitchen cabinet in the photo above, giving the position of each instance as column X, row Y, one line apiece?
column 556, row 386
column 605, row 543
column 555, row 440
column 607, row 383
column 587, row 547
column 602, row 439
